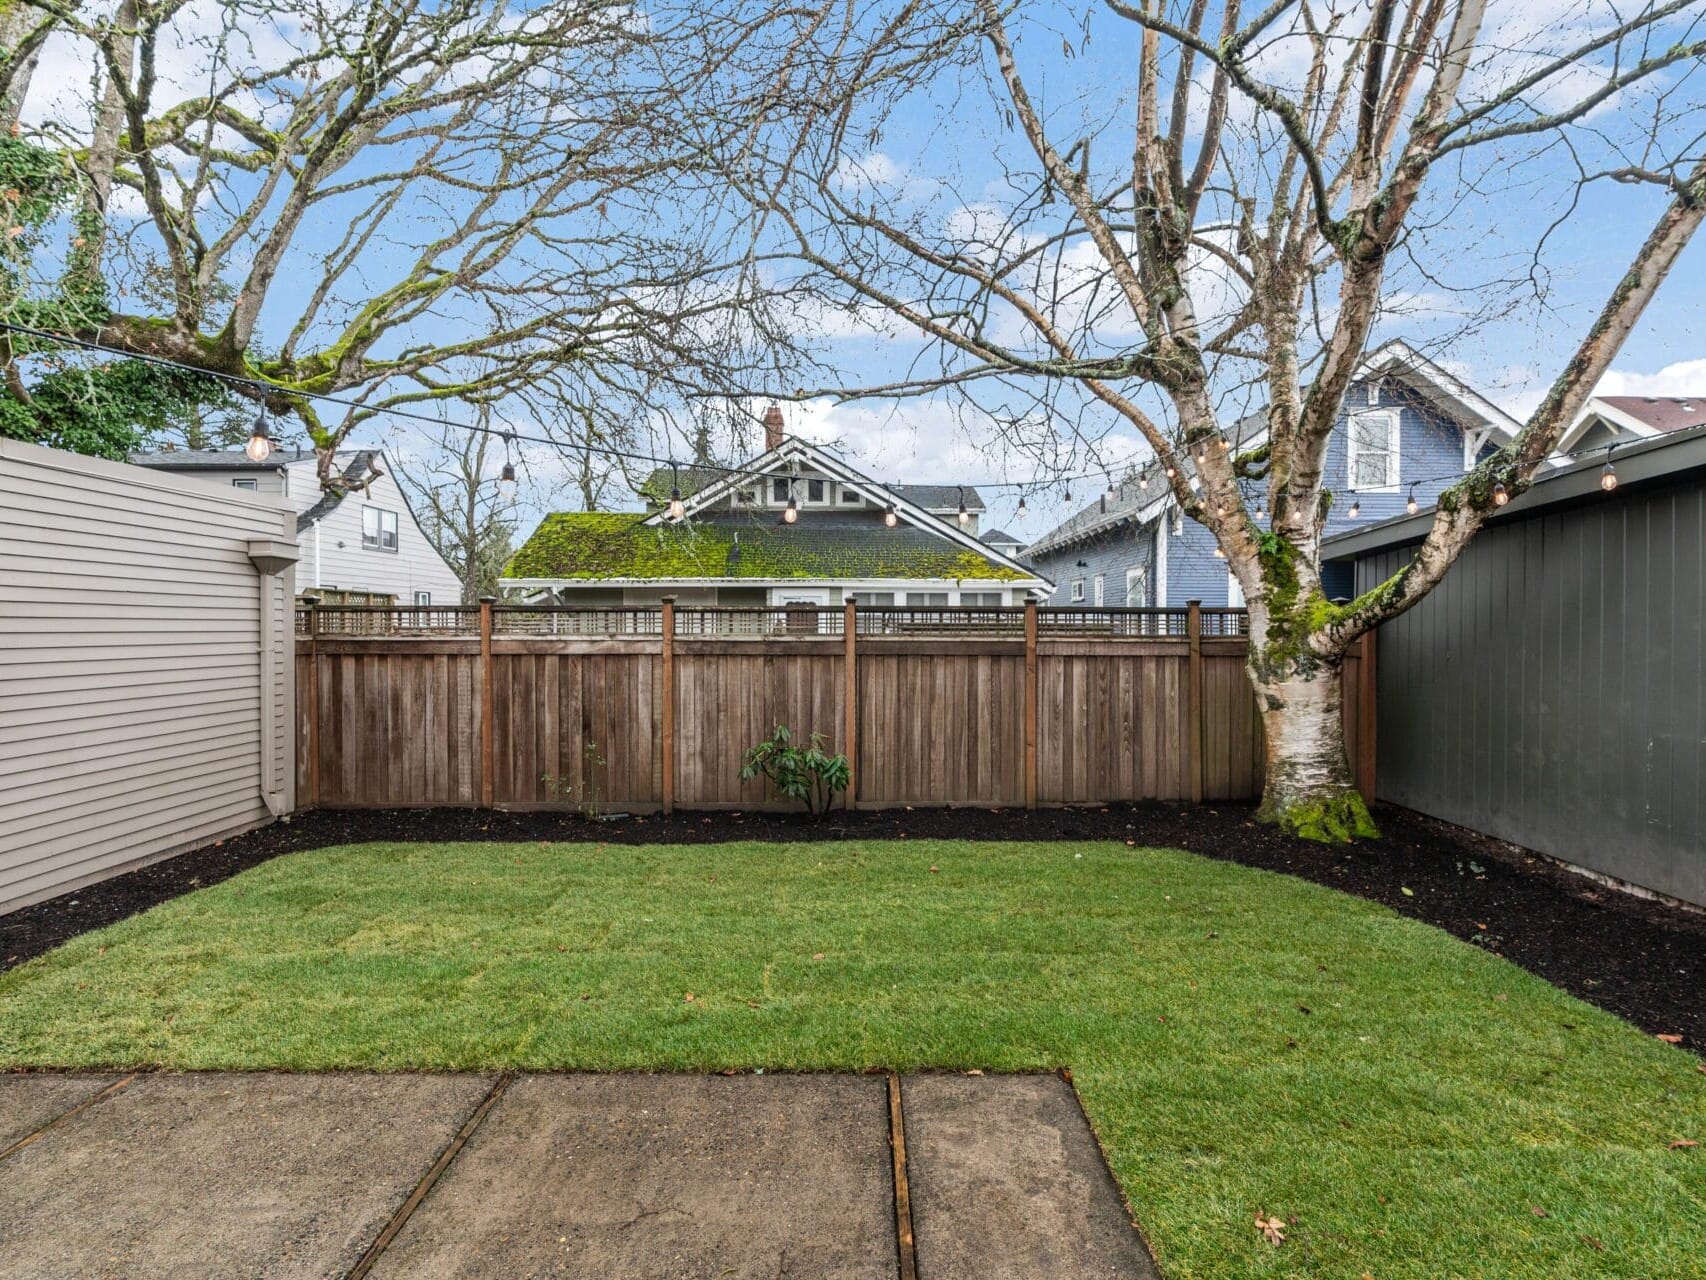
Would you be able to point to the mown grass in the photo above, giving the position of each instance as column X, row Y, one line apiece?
column 1243, row 1041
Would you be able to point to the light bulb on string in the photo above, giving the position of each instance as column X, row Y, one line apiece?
column 1356, row 508
column 964, row 516
column 260, row 445
column 506, row 482
column 1218, row 553
column 1023, row 510
column 1501, row 495
column 791, row 512
column 1410, row 504
column 1608, row 473
column 889, row 516
column 677, row 508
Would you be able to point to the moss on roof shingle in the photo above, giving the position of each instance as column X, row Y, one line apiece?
column 589, row 546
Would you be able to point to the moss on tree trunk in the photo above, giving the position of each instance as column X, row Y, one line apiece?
column 1309, row 791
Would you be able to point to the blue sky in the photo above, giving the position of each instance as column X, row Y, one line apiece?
column 942, row 152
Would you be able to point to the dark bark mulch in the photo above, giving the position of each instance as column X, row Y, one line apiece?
column 1641, row 959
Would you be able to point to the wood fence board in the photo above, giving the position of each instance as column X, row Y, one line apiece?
column 577, row 722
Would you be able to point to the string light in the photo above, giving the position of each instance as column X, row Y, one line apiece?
column 1022, row 512
column 506, row 477
column 964, row 515
column 1608, row 473
column 260, row 446
column 262, row 387
column 1143, row 481
column 889, row 516
column 1218, row 553
column 677, row 508
column 1410, row 504
column 1172, row 471
column 1356, row 508
column 1501, row 495
column 791, row 512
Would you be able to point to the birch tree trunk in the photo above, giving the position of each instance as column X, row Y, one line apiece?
column 1309, row 789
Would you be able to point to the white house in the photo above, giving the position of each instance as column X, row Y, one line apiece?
column 367, row 542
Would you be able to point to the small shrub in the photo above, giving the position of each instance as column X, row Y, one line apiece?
column 808, row 774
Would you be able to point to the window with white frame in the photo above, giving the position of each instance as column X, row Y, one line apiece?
column 980, row 598
column 926, row 597
column 1372, row 446
column 1100, row 587
column 378, row 529
column 1078, row 591
column 249, row 483
column 1137, row 587
column 850, row 496
column 423, row 598
column 863, row 598
column 814, row 490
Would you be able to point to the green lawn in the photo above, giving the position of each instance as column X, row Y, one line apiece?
column 1243, row 1041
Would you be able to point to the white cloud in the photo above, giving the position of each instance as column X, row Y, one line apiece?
column 874, row 170
column 1684, row 378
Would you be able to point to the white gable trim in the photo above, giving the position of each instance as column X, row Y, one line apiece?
column 1595, row 408
column 792, row 450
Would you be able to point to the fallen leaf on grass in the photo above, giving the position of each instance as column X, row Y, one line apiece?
column 1680, row 1143
column 1670, row 1039
column 689, row 997
column 817, row 955
column 1272, row 1229
column 1538, row 1212
column 1594, row 1243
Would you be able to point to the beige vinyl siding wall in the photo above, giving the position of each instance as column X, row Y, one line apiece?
column 131, row 625
column 414, row 566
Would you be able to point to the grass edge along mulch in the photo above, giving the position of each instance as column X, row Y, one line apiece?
column 1244, row 1042
column 1639, row 958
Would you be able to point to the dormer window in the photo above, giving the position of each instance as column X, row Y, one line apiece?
column 1372, row 449
column 814, row 490
column 779, row 489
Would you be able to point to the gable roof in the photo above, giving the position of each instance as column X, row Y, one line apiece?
column 793, row 451
column 1639, row 416
column 1137, row 503
column 1661, row 413
column 744, row 547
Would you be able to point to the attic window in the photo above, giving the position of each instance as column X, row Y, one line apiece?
column 850, row 497
column 779, row 489
column 746, row 497
column 1372, row 448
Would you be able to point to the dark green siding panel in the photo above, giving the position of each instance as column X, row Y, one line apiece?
column 1552, row 690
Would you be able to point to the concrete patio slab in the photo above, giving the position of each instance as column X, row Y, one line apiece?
column 255, row 1176
column 661, row 1177
column 1008, row 1184
column 27, row 1102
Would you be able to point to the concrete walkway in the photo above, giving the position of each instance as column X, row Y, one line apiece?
column 610, row 1176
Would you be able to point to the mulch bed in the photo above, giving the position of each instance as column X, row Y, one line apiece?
column 1643, row 960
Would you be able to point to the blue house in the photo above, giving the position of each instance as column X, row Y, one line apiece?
column 1408, row 429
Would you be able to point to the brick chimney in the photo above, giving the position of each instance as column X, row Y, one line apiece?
column 772, row 428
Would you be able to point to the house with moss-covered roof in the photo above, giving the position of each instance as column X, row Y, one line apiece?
column 795, row 525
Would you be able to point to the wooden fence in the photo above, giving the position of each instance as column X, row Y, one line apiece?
column 639, row 709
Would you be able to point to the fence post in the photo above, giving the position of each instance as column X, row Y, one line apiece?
column 313, row 702
column 1367, row 724
column 666, row 738
column 1193, row 633
column 1030, row 704
column 488, row 698
column 850, row 698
